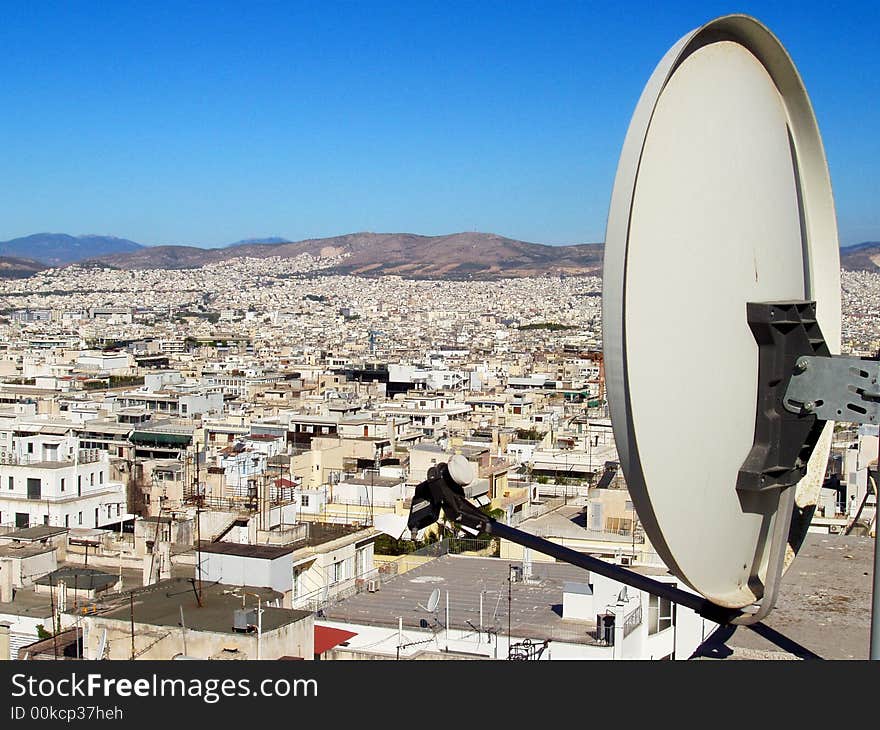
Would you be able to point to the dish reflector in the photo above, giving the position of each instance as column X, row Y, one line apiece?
column 722, row 197
column 434, row 600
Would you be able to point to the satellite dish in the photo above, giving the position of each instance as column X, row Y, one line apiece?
column 433, row 601
column 722, row 197
column 461, row 470
column 392, row 525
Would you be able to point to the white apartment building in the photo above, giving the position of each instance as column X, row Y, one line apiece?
column 67, row 491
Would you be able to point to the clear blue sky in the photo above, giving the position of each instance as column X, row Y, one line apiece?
column 209, row 122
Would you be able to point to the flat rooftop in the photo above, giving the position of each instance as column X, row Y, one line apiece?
column 160, row 605
column 536, row 607
column 375, row 481
column 24, row 550
column 823, row 609
column 78, row 577
column 26, row 602
column 262, row 552
column 35, row 533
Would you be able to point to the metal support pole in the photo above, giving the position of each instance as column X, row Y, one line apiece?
column 259, row 628
column 131, row 614
column 875, row 600
column 875, row 604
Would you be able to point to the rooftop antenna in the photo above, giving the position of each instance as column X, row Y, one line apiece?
column 433, row 602
column 754, row 270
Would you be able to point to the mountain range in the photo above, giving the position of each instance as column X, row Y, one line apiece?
column 467, row 255
column 58, row 249
column 456, row 256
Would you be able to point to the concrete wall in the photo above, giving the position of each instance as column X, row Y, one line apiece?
column 381, row 642
column 26, row 570
column 244, row 571
column 166, row 642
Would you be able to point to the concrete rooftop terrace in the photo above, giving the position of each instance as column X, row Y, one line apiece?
column 823, row 609
column 160, row 605
column 536, row 608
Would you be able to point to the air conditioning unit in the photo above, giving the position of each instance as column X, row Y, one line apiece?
column 626, row 560
column 373, row 585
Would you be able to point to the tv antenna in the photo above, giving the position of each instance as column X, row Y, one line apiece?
column 433, row 602
column 721, row 256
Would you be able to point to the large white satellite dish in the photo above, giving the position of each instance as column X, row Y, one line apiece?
column 722, row 197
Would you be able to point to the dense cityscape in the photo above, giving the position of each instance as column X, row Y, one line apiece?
column 252, row 432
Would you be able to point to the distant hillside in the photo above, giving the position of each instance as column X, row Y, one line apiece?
column 861, row 257
column 18, row 268
column 456, row 256
column 246, row 241
column 57, row 249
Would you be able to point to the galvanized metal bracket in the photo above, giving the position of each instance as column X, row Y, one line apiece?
column 835, row 388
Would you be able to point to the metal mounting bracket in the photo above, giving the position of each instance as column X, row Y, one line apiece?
column 835, row 388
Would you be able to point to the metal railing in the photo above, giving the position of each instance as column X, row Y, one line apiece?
column 632, row 621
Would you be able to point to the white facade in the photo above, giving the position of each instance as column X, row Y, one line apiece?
column 61, row 494
column 244, row 570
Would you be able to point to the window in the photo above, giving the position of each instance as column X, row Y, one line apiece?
column 79, row 484
column 337, row 572
column 30, row 448
column 80, row 518
column 101, row 477
column 11, row 483
column 62, row 484
column 305, row 500
column 659, row 614
column 34, row 488
column 67, row 520
column 92, row 479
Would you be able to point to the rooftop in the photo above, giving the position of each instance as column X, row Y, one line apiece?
column 262, row 552
column 26, row 602
column 79, row 578
column 161, row 603
column 823, row 608
column 20, row 550
column 374, row 481
column 38, row 532
column 536, row 607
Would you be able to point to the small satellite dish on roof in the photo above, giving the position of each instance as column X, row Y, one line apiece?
column 722, row 199
column 461, row 470
column 433, row 601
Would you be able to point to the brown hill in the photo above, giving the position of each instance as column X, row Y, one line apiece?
column 861, row 257
column 456, row 256
column 12, row 267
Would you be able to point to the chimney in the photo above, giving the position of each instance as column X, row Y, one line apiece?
column 392, row 434
column 6, row 592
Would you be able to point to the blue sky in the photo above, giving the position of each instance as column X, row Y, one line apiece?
column 206, row 123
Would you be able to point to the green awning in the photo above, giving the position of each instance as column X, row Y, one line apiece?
column 157, row 438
